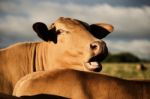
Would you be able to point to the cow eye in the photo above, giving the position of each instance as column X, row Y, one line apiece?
column 59, row 31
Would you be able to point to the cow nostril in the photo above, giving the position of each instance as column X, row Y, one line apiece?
column 93, row 46
column 97, row 47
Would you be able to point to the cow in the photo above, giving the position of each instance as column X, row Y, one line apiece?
column 141, row 67
column 5, row 96
column 77, row 84
column 67, row 43
column 39, row 96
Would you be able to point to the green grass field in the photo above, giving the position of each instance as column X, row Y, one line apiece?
column 126, row 70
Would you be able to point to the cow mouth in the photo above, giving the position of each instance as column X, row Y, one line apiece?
column 94, row 64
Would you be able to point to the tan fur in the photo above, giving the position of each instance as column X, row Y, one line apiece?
column 81, row 85
column 70, row 51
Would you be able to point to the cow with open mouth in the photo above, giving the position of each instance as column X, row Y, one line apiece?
column 67, row 43
column 79, row 44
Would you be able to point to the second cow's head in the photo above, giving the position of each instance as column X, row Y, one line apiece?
column 78, row 43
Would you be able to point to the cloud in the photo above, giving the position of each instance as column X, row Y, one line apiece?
column 126, row 20
column 137, row 47
column 126, row 3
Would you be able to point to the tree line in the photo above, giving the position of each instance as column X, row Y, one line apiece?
column 124, row 57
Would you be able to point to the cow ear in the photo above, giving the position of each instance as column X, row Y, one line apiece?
column 101, row 30
column 43, row 32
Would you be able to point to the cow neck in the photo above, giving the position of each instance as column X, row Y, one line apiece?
column 34, row 60
column 40, row 57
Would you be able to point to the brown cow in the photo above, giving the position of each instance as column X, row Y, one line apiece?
column 68, row 43
column 76, row 84
column 39, row 96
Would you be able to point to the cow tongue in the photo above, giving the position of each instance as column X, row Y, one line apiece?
column 93, row 66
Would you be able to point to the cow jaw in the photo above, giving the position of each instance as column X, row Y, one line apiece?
column 93, row 66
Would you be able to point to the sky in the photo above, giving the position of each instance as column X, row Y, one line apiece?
column 130, row 18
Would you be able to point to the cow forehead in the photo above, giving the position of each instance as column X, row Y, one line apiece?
column 68, row 23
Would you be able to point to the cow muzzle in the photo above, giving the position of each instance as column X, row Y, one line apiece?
column 99, row 52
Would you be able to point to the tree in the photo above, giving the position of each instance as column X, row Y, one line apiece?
column 122, row 57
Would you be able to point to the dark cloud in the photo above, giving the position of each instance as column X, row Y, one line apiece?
column 129, row 3
column 8, row 39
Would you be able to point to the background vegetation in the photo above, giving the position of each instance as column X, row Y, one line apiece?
column 124, row 65
column 126, row 70
column 124, row 57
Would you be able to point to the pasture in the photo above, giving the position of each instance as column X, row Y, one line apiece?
column 126, row 70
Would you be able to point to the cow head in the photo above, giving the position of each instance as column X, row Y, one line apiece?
column 78, row 44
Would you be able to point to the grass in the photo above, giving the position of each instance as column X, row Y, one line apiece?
column 126, row 70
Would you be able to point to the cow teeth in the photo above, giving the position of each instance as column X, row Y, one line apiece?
column 93, row 66
column 94, row 63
